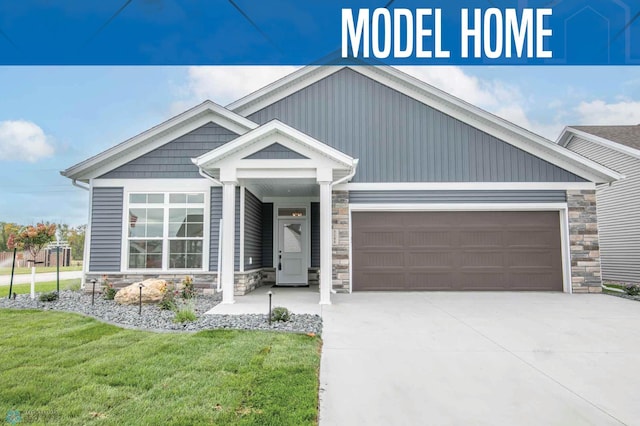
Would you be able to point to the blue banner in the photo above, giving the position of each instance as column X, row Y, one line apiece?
column 295, row 32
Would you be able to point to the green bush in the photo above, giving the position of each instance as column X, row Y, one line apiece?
column 108, row 292
column 185, row 312
column 632, row 290
column 188, row 290
column 49, row 297
column 168, row 302
column 280, row 313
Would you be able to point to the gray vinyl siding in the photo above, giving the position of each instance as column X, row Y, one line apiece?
column 275, row 152
column 173, row 160
column 476, row 196
column 216, row 215
column 106, row 229
column 399, row 139
column 267, row 235
column 252, row 231
column 618, row 212
column 315, row 235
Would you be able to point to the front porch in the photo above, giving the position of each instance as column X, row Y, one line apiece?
column 298, row 300
column 276, row 185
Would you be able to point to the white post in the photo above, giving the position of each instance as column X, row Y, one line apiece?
column 228, row 241
column 33, row 281
column 326, row 267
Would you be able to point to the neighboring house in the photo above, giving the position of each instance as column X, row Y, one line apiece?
column 618, row 148
column 361, row 178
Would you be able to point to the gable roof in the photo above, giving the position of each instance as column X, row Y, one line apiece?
column 157, row 136
column 439, row 100
column 291, row 138
column 622, row 138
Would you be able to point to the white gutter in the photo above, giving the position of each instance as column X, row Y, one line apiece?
column 217, row 182
column 74, row 182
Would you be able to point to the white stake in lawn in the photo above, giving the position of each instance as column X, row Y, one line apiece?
column 33, row 281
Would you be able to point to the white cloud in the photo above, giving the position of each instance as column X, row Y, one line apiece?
column 602, row 113
column 22, row 140
column 225, row 84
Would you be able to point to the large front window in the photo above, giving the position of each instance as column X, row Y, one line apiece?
column 165, row 230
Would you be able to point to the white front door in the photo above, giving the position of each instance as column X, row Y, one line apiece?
column 292, row 252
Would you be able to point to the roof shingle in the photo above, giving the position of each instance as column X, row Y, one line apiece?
column 625, row 135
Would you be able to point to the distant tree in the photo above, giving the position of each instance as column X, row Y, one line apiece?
column 34, row 238
column 6, row 230
column 75, row 238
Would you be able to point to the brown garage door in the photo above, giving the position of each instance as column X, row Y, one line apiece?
column 456, row 251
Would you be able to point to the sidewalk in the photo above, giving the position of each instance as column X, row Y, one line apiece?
column 42, row 277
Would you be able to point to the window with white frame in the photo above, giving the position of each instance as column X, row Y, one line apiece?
column 166, row 230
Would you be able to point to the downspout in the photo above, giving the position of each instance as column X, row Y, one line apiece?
column 348, row 177
column 217, row 182
column 87, row 233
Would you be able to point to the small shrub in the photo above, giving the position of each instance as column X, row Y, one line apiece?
column 185, row 312
column 188, row 290
column 108, row 292
column 49, row 297
column 168, row 302
column 280, row 313
column 632, row 290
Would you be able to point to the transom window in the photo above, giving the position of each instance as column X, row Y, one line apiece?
column 166, row 230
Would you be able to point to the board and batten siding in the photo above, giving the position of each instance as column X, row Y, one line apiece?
column 252, row 232
column 399, row 139
column 214, row 220
column 173, row 160
column 471, row 196
column 267, row 235
column 618, row 208
column 106, row 229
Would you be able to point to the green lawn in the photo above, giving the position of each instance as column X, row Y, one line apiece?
column 40, row 288
column 39, row 269
column 66, row 369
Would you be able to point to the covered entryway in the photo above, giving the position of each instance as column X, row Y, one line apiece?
column 276, row 160
column 460, row 250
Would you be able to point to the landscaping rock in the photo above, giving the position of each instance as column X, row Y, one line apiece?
column 152, row 292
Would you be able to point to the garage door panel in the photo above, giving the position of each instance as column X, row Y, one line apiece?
column 456, row 251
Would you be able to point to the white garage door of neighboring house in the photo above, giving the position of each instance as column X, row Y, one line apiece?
column 461, row 250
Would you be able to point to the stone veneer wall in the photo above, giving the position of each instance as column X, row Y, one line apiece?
column 340, row 240
column 246, row 282
column 583, row 236
column 203, row 281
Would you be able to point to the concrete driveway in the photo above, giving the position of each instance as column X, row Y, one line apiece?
column 480, row 359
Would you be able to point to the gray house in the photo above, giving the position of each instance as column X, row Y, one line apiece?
column 616, row 147
column 353, row 178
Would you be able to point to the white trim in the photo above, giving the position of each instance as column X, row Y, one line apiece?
column 291, row 202
column 464, row 186
column 157, row 136
column 372, row 207
column 157, row 185
column 565, row 244
column 561, row 208
column 241, row 242
column 87, row 239
column 206, row 231
column 569, row 133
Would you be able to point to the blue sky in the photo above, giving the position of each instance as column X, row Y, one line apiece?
column 54, row 117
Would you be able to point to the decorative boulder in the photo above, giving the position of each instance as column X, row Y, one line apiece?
column 153, row 290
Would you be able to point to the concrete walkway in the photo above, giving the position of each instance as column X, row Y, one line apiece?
column 43, row 277
column 300, row 300
column 480, row 359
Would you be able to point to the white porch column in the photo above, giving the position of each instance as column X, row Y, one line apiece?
column 228, row 241
column 326, row 273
